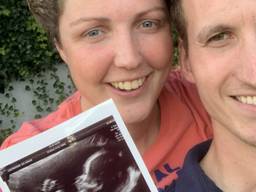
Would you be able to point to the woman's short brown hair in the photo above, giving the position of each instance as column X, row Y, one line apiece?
column 48, row 12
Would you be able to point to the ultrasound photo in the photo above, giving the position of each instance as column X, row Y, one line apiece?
column 94, row 159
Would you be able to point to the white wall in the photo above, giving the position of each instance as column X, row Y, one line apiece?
column 24, row 98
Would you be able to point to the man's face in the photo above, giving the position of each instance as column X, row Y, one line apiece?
column 221, row 61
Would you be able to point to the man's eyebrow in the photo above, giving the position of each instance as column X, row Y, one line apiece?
column 212, row 29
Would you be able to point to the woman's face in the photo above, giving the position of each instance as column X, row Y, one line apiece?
column 119, row 49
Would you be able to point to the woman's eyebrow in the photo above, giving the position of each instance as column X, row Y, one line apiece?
column 87, row 19
column 154, row 9
column 104, row 19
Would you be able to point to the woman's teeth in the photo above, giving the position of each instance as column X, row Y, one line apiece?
column 250, row 100
column 129, row 85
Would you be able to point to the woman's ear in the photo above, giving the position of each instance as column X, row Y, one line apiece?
column 60, row 50
column 184, row 61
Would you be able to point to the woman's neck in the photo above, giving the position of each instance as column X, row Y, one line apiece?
column 145, row 133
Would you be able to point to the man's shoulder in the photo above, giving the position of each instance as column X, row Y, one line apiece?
column 191, row 178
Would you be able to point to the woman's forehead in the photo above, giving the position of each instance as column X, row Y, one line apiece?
column 94, row 6
column 122, row 10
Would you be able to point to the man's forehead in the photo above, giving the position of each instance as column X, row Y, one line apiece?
column 211, row 7
column 200, row 13
column 206, row 7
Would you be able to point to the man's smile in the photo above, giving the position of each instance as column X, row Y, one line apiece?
column 249, row 100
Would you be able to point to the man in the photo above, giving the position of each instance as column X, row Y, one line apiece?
column 218, row 54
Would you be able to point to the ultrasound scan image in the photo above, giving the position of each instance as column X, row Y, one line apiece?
column 98, row 163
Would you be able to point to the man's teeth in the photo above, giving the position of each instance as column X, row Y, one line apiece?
column 129, row 85
column 250, row 100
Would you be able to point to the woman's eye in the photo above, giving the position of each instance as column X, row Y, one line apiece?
column 93, row 33
column 149, row 25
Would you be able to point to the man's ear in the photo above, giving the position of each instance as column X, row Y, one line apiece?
column 185, row 62
column 60, row 51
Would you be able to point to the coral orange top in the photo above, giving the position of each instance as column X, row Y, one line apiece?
column 184, row 123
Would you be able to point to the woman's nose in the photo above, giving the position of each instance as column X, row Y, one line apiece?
column 127, row 51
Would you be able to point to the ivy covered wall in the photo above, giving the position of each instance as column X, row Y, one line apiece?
column 26, row 56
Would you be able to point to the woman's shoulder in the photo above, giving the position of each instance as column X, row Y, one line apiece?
column 66, row 110
column 176, row 83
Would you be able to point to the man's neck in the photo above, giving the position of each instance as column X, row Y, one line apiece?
column 231, row 163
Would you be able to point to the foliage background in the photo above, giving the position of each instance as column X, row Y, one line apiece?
column 26, row 55
column 24, row 48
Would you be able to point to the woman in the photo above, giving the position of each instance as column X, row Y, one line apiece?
column 121, row 49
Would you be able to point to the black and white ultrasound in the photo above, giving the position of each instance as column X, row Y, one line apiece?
column 95, row 159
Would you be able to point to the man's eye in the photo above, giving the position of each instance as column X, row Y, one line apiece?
column 220, row 39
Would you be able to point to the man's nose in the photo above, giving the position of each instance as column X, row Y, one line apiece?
column 248, row 62
column 127, row 51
